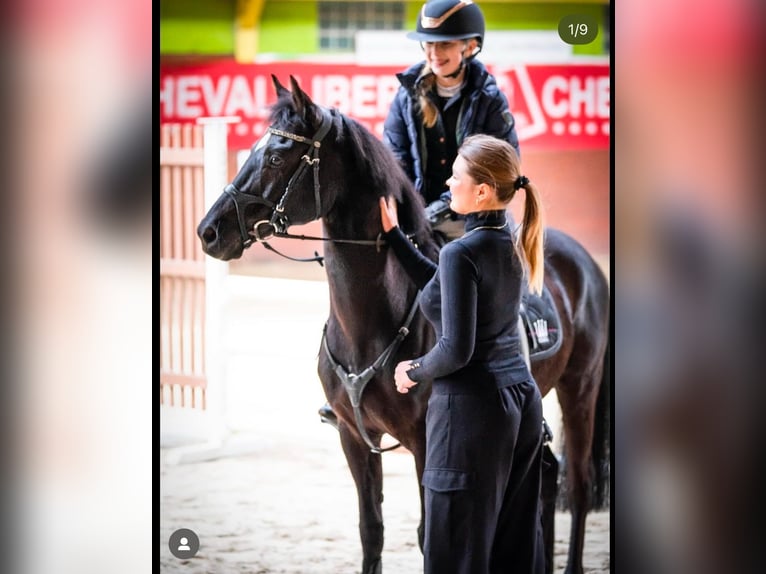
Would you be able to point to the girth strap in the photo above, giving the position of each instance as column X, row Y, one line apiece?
column 356, row 383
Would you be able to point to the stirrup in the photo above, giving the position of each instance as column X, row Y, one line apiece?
column 326, row 415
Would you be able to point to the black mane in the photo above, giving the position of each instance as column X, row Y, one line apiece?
column 372, row 156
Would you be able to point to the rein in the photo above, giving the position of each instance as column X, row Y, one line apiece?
column 355, row 383
column 378, row 242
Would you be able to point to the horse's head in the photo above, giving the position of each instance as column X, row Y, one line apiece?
column 279, row 184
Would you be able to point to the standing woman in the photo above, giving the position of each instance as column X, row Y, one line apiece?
column 484, row 420
column 443, row 100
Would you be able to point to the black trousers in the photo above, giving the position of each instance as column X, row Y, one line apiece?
column 482, row 482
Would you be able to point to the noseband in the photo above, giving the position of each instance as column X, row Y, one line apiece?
column 278, row 222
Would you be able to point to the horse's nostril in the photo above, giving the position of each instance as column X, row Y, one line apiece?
column 208, row 235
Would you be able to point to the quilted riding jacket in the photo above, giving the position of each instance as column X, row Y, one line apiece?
column 484, row 109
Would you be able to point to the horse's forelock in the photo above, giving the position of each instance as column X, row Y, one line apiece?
column 283, row 113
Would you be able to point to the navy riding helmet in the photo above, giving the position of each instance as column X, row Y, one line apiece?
column 444, row 20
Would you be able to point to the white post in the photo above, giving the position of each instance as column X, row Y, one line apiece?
column 216, row 178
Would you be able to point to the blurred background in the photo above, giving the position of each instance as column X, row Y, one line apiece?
column 688, row 145
column 78, row 286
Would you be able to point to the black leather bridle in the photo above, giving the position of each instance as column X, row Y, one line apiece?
column 279, row 222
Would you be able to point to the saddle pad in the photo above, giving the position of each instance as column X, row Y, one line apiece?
column 541, row 323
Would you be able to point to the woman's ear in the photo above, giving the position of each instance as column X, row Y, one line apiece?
column 483, row 192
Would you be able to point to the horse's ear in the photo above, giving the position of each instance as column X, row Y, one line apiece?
column 281, row 90
column 300, row 98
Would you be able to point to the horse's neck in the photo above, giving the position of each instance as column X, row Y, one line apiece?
column 367, row 292
column 355, row 276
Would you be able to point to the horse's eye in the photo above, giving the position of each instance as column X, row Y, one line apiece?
column 275, row 160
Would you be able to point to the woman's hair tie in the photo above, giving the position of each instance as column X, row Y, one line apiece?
column 520, row 182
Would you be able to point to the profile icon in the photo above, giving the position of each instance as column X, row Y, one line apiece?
column 183, row 543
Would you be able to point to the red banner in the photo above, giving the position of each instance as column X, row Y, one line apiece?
column 556, row 107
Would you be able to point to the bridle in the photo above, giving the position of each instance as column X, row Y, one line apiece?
column 279, row 222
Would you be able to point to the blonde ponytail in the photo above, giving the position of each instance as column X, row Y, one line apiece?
column 532, row 237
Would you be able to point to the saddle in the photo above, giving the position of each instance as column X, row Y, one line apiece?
column 541, row 323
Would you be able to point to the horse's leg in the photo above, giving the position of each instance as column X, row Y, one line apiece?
column 367, row 470
column 577, row 396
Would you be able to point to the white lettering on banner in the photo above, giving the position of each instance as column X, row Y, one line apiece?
column 240, row 98
column 332, row 91
column 360, row 96
column 603, row 97
column 552, row 105
column 580, row 96
column 553, row 109
column 363, row 96
column 188, row 97
column 187, row 94
column 215, row 96
column 387, row 88
column 589, row 98
column 259, row 100
column 166, row 97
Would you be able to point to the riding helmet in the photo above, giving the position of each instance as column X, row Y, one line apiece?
column 444, row 20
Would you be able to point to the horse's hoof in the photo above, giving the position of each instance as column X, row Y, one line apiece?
column 374, row 568
column 326, row 415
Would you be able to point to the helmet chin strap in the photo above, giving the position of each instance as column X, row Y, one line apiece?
column 463, row 60
column 456, row 73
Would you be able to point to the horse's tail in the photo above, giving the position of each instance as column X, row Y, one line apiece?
column 601, row 446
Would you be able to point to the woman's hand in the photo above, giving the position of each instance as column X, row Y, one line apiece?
column 388, row 213
column 403, row 382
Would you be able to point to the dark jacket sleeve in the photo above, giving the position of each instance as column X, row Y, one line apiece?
column 418, row 266
column 459, row 279
column 395, row 134
column 500, row 122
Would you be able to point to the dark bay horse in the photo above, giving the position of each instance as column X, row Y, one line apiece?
column 316, row 163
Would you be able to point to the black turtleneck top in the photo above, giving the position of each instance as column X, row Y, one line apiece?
column 472, row 303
